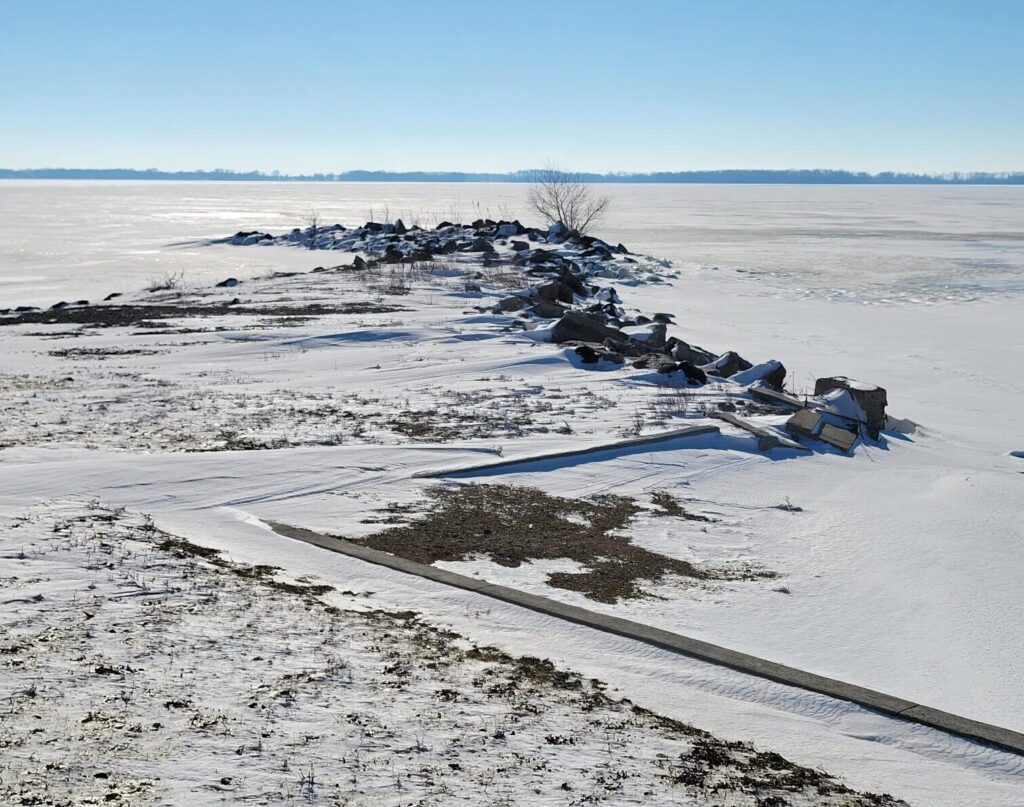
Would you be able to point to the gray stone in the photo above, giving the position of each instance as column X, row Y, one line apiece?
column 512, row 303
column 547, row 309
column 577, row 326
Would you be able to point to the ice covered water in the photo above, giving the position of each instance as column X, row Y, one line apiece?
column 879, row 244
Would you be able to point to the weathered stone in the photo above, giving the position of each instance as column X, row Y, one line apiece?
column 576, row 325
column 870, row 398
column 681, row 351
column 555, row 291
column 519, row 246
column 728, row 364
column 547, row 309
column 770, row 374
column 512, row 303
column 359, row 264
column 693, row 373
column 480, row 244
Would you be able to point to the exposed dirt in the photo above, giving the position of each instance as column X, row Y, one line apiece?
column 512, row 525
column 119, row 316
column 162, row 672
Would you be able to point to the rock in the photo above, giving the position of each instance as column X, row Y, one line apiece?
column 80, row 302
column 547, row 309
column 480, row 244
column 870, row 398
column 472, row 288
column 400, row 228
column 693, row 373
column 666, row 318
column 728, row 364
column 58, row 306
column 621, row 249
column 230, row 283
column 519, row 246
column 113, row 295
column 591, row 353
column 24, row 309
column 577, row 326
column 587, row 354
column 543, row 256
column 444, row 224
column 558, row 230
column 682, row 351
column 770, row 374
column 359, row 264
column 574, row 283
column 555, row 291
column 505, row 229
column 512, row 303
column 667, row 367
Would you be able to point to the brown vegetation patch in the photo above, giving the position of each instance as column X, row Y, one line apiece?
column 114, row 316
column 512, row 525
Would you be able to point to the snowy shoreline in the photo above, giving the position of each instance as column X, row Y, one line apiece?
column 342, row 404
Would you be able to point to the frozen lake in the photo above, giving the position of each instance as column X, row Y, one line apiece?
column 875, row 244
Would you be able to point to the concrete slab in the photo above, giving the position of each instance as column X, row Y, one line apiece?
column 839, row 438
column 674, row 434
column 804, row 423
column 767, row 439
column 684, row 645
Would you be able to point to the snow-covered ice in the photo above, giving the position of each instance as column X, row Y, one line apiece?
column 897, row 567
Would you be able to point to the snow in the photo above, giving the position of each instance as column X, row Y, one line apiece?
column 901, row 565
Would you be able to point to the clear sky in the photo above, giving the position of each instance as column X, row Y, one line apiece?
column 637, row 85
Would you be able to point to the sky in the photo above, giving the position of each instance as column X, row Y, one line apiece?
column 632, row 85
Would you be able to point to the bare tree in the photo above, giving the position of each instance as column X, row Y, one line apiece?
column 313, row 226
column 559, row 196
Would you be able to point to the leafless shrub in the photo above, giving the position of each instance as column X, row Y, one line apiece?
column 560, row 196
column 313, row 226
column 170, row 281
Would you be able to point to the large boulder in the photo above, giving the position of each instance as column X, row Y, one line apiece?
column 682, row 351
column 511, row 303
column 480, row 244
column 546, row 309
column 770, row 374
column 870, row 398
column 728, row 364
column 580, row 327
column 555, row 291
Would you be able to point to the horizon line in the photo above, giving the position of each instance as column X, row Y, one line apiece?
column 720, row 175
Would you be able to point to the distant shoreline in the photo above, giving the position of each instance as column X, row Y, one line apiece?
column 723, row 177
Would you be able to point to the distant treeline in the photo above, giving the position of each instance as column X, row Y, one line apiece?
column 730, row 176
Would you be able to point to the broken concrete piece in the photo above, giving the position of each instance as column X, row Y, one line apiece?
column 870, row 398
column 839, row 438
column 804, row 423
column 767, row 439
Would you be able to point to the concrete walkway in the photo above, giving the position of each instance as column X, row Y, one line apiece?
column 752, row 665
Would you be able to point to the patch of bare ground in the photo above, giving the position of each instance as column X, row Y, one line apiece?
column 121, row 316
column 513, row 525
column 141, row 668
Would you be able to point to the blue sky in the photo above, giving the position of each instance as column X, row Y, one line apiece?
column 478, row 86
